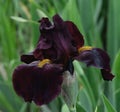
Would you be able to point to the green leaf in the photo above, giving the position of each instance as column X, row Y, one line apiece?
column 59, row 6
column 7, row 38
column 41, row 13
column 71, row 13
column 34, row 15
column 5, row 104
column 84, row 81
column 23, row 107
column 98, row 9
column 79, row 108
column 84, row 100
column 8, row 98
column 45, row 108
column 65, row 108
column 116, row 66
column 116, row 71
column 19, row 19
column 88, row 16
column 113, row 32
column 108, row 105
column 55, row 105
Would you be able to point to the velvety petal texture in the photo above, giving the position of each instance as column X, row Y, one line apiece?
column 36, row 84
column 28, row 58
column 107, row 75
column 98, row 58
column 78, row 40
column 60, row 42
column 57, row 41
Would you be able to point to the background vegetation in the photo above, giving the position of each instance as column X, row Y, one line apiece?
column 98, row 21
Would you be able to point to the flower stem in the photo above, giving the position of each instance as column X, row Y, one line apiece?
column 28, row 108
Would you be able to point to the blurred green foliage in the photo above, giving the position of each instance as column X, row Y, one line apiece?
column 97, row 20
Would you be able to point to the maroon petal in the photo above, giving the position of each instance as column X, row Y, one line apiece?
column 45, row 40
column 40, row 85
column 44, row 43
column 63, row 39
column 56, row 42
column 98, row 58
column 107, row 75
column 45, row 24
column 77, row 36
column 95, row 57
column 28, row 58
column 58, row 22
column 49, row 53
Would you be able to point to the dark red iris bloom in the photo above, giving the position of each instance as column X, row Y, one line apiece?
column 60, row 43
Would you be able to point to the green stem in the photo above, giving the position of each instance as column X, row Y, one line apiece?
column 28, row 108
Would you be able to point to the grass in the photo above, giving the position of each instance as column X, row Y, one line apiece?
column 97, row 20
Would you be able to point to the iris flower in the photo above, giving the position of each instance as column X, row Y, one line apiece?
column 40, row 78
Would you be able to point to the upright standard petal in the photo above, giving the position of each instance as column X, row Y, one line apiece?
column 78, row 40
column 45, row 24
column 38, row 84
column 66, row 47
column 98, row 58
column 56, row 41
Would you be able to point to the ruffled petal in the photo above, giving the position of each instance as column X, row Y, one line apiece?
column 45, row 24
column 42, row 46
column 56, row 42
column 44, row 43
column 97, row 58
column 40, row 85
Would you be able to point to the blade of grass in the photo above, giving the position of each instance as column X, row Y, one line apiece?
column 65, row 108
column 79, row 108
column 6, row 105
column 71, row 13
column 113, row 33
column 116, row 71
column 88, row 14
column 8, row 38
column 84, row 81
column 19, row 19
column 108, row 105
column 9, row 95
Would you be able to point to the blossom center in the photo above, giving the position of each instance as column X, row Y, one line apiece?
column 43, row 62
column 84, row 48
